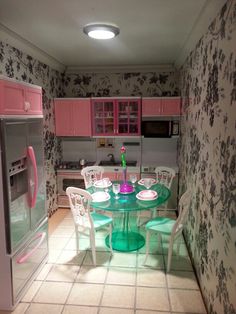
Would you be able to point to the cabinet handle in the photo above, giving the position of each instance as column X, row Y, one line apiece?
column 27, row 105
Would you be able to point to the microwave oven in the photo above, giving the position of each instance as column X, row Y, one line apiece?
column 159, row 128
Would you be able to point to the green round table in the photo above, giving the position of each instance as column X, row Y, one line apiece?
column 123, row 238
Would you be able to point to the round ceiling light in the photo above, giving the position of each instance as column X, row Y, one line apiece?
column 101, row 31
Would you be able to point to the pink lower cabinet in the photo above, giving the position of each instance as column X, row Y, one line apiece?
column 19, row 98
column 160, row 106
column 73, row 117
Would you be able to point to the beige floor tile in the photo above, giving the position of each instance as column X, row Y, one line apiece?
column 118, row 296
column 54, row 244
column 75, row 309
column 84, row 244
column 66, row 273
column 153, row 261
column 28, row 297
column 186, row 301
column 53, row 256
column 151, row 312
column 102, row 258
column 179, row 263
column 56, row 218
column 182, row 279
column 92, row 274
column 71, row 257
column 109, row 310
column 63, row 232
column 124, row 259
column 182, row 249
column 152, row 299
column 85, row 294
column 121, row 275
column 46, row 293
column 20, row 308
column 151, row 277
column 44, row 308
column 154, row 248
column 44, row 272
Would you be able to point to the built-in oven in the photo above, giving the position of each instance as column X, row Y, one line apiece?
column 66, row 178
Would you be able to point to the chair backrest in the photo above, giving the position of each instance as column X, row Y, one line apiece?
column 80, row 200
column 92, row 174
column 165, row 176
column 184, row 204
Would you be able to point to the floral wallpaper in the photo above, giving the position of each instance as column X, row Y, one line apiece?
column 20, row 66
column 207, row 159
column 122, row 84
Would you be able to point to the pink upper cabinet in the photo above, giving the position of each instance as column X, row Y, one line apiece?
column 171, row 106
column 18, row 98
column 151, row 107
column 73, row 117
column 116, row 116
column 157, row 106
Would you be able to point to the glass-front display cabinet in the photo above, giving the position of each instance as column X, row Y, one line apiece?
column 116, row 116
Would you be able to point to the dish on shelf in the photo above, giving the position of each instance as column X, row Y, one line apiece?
column 103, row 183
column 141, row 181
column 147, row 195
column 100, row 197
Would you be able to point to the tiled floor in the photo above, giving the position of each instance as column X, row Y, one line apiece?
column 120, row 284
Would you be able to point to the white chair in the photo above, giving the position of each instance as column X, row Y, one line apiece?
column 167, row 226
column 92, row 174
column 165, row 176
column 87, row 222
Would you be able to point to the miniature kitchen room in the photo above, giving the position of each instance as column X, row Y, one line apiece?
column 117, row 155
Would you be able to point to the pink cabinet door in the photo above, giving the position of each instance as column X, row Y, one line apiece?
column 19, row 98
column 11, row 98
column 171, row 106
column 151, row 107
column 128, row 116
column 103, row 116
column 81, row 119
column 63, row 116
column 33, row 100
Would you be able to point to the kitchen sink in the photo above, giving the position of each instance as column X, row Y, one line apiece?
column 117, row 163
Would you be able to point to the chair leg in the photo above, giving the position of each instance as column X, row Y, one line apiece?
column 92, row 245
column 153, row 212
column 170, row 250
column 110, row 238
column 77, row 239
column 159, row 241
column 178, row 246
column 147, row 246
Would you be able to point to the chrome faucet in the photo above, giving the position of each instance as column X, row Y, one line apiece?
column 112, row 158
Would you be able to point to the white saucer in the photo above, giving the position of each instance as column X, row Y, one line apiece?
column 141, row 181
column 147, row 195
column 100, row 197
column 102, row 184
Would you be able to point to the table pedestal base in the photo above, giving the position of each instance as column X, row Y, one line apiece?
column 126, row 241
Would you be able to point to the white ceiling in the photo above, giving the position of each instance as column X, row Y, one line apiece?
column 152, row 32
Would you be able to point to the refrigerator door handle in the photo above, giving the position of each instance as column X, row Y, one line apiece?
column 31, row 155
column 24, row 258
